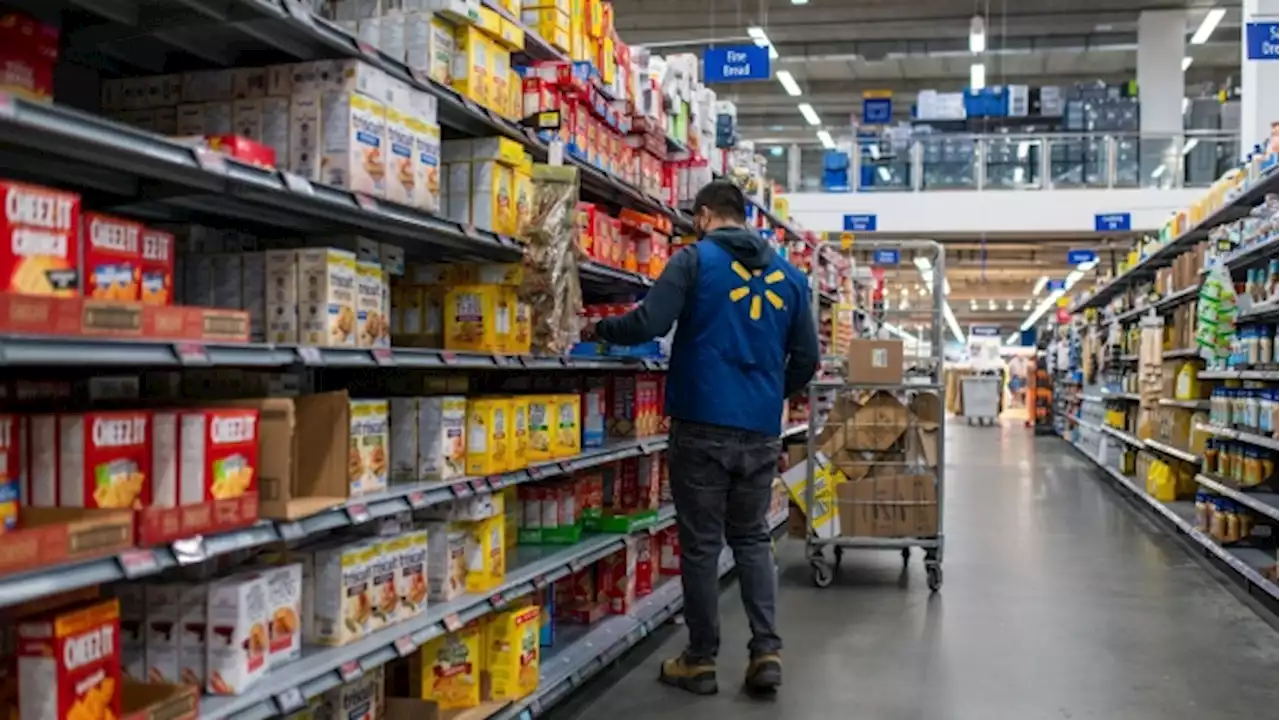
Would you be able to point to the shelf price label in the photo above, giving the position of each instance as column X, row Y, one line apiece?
column 497, row 601
column 417, row 499
column 289, row 700
column 365, row 202
column 383, row 357
column 350, row 670
column 310, row 356
column 190, row 551
column 494, row 482
column 448, row 357
column 419, row 77
column 210, row 160
column 405, row 645
column 358, row 514
column 299, row 10
column 479, row 485
column 460, row 490
column 298, row 184
column 191, row 353
column 138, row 563
column 452, row 622
column 290, row 530
column 367, row 49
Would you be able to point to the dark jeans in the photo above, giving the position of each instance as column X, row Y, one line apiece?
column 721, row 479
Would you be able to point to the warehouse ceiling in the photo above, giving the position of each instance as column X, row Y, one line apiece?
column 836, row 49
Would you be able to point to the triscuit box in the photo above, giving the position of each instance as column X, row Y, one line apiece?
column 428, row 438
column 281, row 296
column 383, row 564
column 284, row 598
column 327, row 297
column 412, row 587
column 372, row 325
column 448, row 668
column 343, row 609
column 426, row 165
column 355, row 137
column 238, row 636
column 306, row 141
column 368, row 464
column 512, row 653
column 446, row 560
column 402, row 163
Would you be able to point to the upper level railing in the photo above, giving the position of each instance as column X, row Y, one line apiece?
column 1015, row 162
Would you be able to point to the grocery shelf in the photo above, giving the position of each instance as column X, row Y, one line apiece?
column 141, row 562
column 1188, row 404
column 32, row 350
column 536, row 47
column 1262, row 311
column 1121, row 435
column 1181, row 353
column 1237, row 207
column 1263, row 502
column 1108, row 395
column 1129, row 358
column 1172, row 451
column 1249, row 256
column 1246, row 561
column 323, row 668
column 1091, row 398
column 1244, row 437
column 1271, row 375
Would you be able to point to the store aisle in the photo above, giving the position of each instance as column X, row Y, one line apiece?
column 1059, row 602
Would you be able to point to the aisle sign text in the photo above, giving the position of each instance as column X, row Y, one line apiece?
column 736, row 63
column 1111, row 222
column 886, row 256
column 859, row 223
column 1262, row 40
column 1054, row 286
column 984, row 330
column 877, row 107
column 1079, row 257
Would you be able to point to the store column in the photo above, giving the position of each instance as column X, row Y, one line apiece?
column 1162, row 39
column 1259, row 72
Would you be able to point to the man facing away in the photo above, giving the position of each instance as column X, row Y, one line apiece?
column 745, row 341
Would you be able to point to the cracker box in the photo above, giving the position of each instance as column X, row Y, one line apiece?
column 218, row 455
column 518, row 448
column 343, row 602
column 426, row 189
column 485, row 554
column 471, row 318
column 238, row 635
column 383, row 564
column 104, row 460
column 39, row 241
column 621, row 400
column 327, row 297
column 647, row 550
column 616, row 575
column 284, row 607
column 428, row 438
column 566, row 438
column 356, row 158
column 668, row 551
column 359, row 699
column 69, row 664
column 541, row 414
column 446, row 560
column 111, row 256
column 281, row 289
column 373, row 327
column 192, row 631
column 162, row 633
column 594, row 412
column 11, row 469
column 411, row 572
column 133, row 615
column 156, row 281
column 402, row 166
column 450, row 666
column 512, row 653
column 367, row 465
column 488, row 434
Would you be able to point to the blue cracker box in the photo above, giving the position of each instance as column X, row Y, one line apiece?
column 547, row 622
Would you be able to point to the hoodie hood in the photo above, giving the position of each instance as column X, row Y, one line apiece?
column 746, row 246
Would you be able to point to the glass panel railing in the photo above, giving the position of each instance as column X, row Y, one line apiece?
column 1016, row 162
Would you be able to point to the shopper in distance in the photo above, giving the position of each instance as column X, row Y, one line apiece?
column 744, row 341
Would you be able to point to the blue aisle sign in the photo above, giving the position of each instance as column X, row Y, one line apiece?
column 859, row 223
column 984, row 330
column 1111, row 222
column 1054, row 286
column 1262, row 40
column 877, row 107
column 1077, row 257
column 736, row 63
column 885, row 256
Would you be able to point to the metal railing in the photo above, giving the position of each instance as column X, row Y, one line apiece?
column 1041, row 161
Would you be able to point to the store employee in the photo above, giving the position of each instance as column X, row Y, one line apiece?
column 745, row 341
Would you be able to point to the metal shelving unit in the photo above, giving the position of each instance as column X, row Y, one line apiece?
column 1238, row 375
column 1244, row 437
column 1172, row 451
column 1188, row 404
column 1121, row 435
column 1263, row 501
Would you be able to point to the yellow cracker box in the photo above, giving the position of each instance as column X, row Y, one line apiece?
column 491, row 203
column 470, row 71
column 411, row 572
column 471, row 320
column 518, row 338
column 367, row 463
column 512, row 652
column 488, row 435
column 510, row 517
column 518, row 448
column 541, row 419
column 566, row 438
column 449, row 668
column 486, row 558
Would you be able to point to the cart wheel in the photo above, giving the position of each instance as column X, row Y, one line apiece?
column 823, row 573
column 934, row 573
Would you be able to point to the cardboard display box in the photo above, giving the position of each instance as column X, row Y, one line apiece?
column 889, row 506
column 877, row 362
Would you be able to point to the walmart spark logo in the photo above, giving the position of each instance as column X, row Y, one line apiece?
column 738, row 293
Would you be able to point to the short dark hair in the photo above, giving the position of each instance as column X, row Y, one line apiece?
column 723, row 199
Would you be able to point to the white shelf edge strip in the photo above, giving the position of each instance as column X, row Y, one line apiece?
column 1239, row 496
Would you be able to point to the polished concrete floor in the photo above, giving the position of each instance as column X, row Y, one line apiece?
column 1059, row 601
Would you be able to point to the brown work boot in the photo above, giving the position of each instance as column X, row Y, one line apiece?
column 695, row 676
column 764, row 674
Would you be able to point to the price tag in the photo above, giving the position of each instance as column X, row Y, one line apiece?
column 405, row 645
column 495, row 482
column 290, row 530
column 470, row 104
column 452, row 622
column 191, row 353
column 137, row 563
column 448, row 357
column 366, row 203
column 565, row 467
column 297, row 183
column 479, row 485
column 310, row 356
column 540, row 583
column 419, row 77
column 497, row 601
column 299, row 10
column 383, row 357
column 417, row 499
column 470, row 231
column 350, row 670
column 289, row 700
column 358, row 513
column 535, row 472
column 501, row 360
column 190, row 551
column 211, row 161
column 460, row 490
column 367, row 50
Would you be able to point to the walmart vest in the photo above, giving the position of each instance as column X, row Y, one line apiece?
column 729, row 353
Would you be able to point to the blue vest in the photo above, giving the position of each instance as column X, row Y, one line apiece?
column 729, row 353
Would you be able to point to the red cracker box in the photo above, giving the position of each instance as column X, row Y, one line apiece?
column 111, row 258
column 622, row 488
column 69, row 663
column 649, row 482
column 669, row 551
column 104, row 460
column 647, row 398
column 646, row 565
column 40, row 235
column 616, row 574
column 219, row 455
column 243, row 149
column 156, row 286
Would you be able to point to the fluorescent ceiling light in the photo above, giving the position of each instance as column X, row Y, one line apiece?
column 1088, row 265
column 951, row 322
column 1026, row 305
column 799, row 2
column 1013, row 338
column 1186, row 62
column 810, row 115
column 789, row 83
column 977, row 34
column 883, row 172
column 874, row 150
column 1207, row 26
column 1191, row 145
column 924, row 291
column 1186, row 104
column 756, row 33
column 1008, row 305
column 1040, row 283
column 991, row 304
column 973, row 304
column 978, row 76
column 825, row 137
column 1024, row 147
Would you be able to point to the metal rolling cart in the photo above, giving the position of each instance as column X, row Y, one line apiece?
column 875, row 476
column 980, row 398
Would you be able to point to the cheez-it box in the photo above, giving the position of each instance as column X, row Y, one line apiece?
column 112, row 256
column 219, row 451
column 156, row 286
column 104, row 460
column 69, row 664
column 39, row 240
